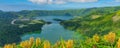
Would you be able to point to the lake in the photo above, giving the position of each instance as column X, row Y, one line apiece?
column 54, row 31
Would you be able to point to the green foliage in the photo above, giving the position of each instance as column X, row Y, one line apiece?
column 94, row 42
column 10, row 33
column 88, row 22
column 118, row 13
column 89, row 26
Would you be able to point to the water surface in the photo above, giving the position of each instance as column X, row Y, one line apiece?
column 54, row 31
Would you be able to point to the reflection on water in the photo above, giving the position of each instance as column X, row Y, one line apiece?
column 52, row 32
column 50, row 18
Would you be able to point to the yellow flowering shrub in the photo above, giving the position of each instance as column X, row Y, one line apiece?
column 69, row 44
column 25, row 44
column 118, row 43
column 96, row 38
column 47, row 44
column 95, row 42
column 57, row 44
column 8, row 46
column 110, row 37
column 31, row 41
column 38, row 42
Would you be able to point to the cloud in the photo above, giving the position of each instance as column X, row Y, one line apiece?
column 117, row 0
column 83, row 0
column 38, row 1
column 60, row 1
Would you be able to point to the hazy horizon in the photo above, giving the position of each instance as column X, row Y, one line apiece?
column 17, row 5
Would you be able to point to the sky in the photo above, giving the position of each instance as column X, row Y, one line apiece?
column 18, row 5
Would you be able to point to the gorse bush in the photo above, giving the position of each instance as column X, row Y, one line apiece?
column 96, row 38
column 118, row 43
column 110, row 37
column 107, row 41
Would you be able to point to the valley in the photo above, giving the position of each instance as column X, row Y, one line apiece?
column 78, row 26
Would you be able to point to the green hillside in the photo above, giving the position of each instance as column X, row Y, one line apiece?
column 99, row 26
column 94, row 23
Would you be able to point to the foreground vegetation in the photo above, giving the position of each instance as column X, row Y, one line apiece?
column 110, row 40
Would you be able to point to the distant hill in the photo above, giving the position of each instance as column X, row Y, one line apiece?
column 72, row 12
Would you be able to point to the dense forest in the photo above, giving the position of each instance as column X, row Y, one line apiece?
column 70, row 12
column 91, row 23
column 10, row 33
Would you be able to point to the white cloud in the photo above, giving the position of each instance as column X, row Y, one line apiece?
column 59, row 1
column 83, row 0
column 39, row 1
column 117, row 0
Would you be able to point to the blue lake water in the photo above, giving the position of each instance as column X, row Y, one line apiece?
column 54, row 31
